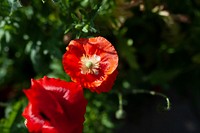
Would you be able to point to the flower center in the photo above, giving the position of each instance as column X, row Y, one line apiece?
column 90, row 65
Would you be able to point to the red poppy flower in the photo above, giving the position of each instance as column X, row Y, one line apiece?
column 92, row 62
column 55, row 106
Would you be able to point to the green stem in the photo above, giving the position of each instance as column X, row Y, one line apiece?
column 120, row 101
column 153, row 93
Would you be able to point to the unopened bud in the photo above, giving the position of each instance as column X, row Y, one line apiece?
column 120, row 114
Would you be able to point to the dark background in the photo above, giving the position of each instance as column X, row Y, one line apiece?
column 158, row 46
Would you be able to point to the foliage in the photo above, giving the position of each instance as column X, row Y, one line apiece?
column 157, row 42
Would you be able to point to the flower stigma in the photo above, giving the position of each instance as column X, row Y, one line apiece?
column 90, row 64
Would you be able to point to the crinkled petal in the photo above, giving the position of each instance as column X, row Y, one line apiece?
column 97, row 46
column 57, row 105
column 107, row 84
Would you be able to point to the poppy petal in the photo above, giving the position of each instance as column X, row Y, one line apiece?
column 55, row 106
column 90, row 61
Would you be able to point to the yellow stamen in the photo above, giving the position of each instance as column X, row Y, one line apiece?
column 90, row 64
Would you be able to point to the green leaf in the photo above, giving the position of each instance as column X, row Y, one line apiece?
column 5, row 8
column 11, row 124
column 4, row 65
column 7, row 36
column 15, row 4
column 56, row 1
column 85, row 28
column 74, row 17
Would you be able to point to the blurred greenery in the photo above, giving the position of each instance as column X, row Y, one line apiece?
column 157, row 42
